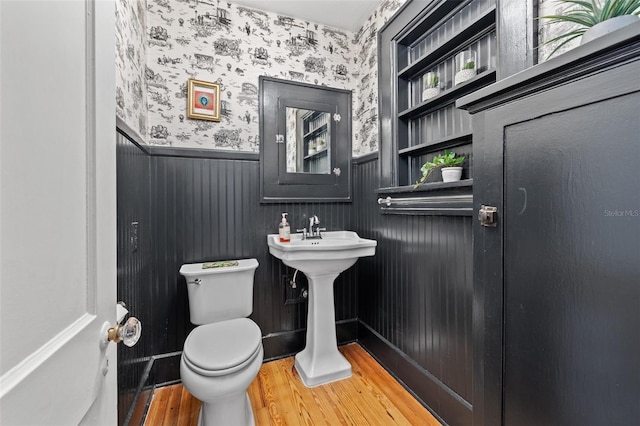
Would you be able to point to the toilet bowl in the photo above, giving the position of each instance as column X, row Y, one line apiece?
column 219, row 362
column 222, row 356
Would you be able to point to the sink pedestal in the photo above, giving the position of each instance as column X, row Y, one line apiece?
column 321, row 260
column 320, row 362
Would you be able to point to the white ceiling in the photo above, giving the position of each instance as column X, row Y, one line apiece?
column 345, row 14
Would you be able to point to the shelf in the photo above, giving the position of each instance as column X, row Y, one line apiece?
column 449, row 96
column 310, row 115
column 483, row 22
column 316, row 155
column 436, row 144
column 432, row 20
column 322, row 128
column 426, row 187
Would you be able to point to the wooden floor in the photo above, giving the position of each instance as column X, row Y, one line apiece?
column 278, row 397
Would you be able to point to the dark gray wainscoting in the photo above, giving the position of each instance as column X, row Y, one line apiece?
column 415, row 304
column 409, row 305
column 194, row 209
column 134, row 264
column 207, row 209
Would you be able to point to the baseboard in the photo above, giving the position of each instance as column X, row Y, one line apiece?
column 164, row 369
column 288, row 343
column 447, row 406
column 136, row 400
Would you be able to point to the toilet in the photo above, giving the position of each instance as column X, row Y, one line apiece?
column 223, row 355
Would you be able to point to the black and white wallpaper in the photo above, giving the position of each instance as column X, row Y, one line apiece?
column 232, row 45
column 365, row 110
column 160, row 44
column 131, row 53
column 163, row 43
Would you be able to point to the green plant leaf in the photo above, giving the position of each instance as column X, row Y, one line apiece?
column 448, row 159
column 629, row 7
column 576, row 18
column 609, row 10
column 568, row 37
column 590, row 13
column 633, row 7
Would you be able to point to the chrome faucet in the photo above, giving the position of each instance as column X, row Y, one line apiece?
column 313, row 225
column 314, row 229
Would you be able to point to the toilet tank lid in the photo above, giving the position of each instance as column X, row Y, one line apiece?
column 193, row 269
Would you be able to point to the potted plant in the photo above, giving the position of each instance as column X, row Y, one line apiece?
column 594, row 18
column 465, row 66
column 430, row 85
column 448, row 162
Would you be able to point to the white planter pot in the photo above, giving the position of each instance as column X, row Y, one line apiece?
column 608, row 26
column 451, row 174
column 429, row 93
column 464, row 75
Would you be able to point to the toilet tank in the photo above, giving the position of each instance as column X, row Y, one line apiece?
column 219, row 294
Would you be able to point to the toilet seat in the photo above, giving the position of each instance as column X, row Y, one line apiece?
column 222, row 348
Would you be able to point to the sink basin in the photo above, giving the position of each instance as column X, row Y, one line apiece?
column 321, row 260
column 335, row 252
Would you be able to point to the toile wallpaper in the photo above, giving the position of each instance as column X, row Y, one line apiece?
column 163, row 43
column 131, row 86
column 365, row 110
column 160, row 44
column 231, row 45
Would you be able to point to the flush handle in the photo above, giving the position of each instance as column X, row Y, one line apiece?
column 488, row 216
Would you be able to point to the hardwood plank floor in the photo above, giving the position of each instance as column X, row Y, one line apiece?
column 370, row 397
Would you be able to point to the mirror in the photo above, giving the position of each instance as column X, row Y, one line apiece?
column 306, row 138
column 305, row 142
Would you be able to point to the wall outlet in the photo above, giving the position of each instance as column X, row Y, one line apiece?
column 294, row 292
column 133, row 237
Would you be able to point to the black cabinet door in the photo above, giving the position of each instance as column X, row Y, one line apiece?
column 571, row 267
column 556, row 332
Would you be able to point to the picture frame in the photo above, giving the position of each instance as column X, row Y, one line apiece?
column 203, row 100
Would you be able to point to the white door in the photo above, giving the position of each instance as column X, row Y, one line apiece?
column 57, row 212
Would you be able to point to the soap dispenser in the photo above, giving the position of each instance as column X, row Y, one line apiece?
column 284, row 230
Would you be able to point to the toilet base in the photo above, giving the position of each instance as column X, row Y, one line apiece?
column 210, row 415
column 322, row 369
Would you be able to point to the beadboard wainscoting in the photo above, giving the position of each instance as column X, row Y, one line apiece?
column 415, row 299
column 134, row 263
column 189, row 210
column 409, row 305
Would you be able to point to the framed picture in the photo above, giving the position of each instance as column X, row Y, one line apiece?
column 203, row 100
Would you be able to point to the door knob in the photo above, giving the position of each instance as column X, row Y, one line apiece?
column 127, row 333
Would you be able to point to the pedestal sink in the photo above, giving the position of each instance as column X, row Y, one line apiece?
column 321, row 260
